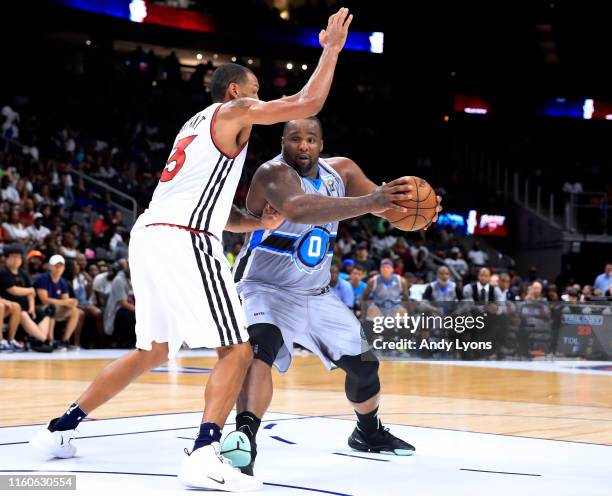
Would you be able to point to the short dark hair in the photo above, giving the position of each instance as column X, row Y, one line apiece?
column 13, row 250
column 225, row 75
column 311, row 118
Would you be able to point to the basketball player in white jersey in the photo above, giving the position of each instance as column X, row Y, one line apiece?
column 283, row 278
column 182, row 282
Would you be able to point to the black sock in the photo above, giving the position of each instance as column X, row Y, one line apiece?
column 249, row 420
column 70, row 419
column 368, row 422
column 209, row 433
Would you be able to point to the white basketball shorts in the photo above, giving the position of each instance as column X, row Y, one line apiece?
column 184, row 290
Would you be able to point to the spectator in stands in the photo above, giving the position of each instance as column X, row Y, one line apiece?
column 340, row 287
column 15, row 285
column 477, row 255
column 34, row 263
column 346, row 243
column 37, row 231
column 68, row 248
column 357, row 283
column 389, row 291
column 495, row 280
column 120, row 312
column 102, row 286
column 604, row 280
column 26, row 214
column 442, row 289
column 8, row 192
column 552, row 294
column 482, row 291
column 363, row 258
column 534, row 292
column 82, row 287
column 587, row 292
column 12, row 310
column 14, row 231
column 232, row 254
column 53, row 295
column 455, row 261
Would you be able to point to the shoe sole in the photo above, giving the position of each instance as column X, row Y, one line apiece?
column 212, row 484
column 397, row 452
column 45, row 449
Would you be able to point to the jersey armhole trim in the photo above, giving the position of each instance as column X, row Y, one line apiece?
column 212, row 136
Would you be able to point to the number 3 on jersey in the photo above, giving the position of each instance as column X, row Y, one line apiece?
column 177, row 159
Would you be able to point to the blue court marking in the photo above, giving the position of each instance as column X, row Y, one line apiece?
column 182, row 370
column 311, row 489
column 362, row 457
column 282, row 440
column 269, row 426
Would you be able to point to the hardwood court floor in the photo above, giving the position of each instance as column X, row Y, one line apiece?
column 556, row 404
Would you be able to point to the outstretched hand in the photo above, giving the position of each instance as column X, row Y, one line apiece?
column 334, row 36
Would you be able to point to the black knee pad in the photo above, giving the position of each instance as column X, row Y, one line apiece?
column 362, row 380
column 266, row 341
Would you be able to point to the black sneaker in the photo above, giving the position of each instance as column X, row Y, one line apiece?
column 248, row 470
column 381, row 441
column 59, row 346
column 42, row 347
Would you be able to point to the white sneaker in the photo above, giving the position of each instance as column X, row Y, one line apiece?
column 205, row 468
column 55, row 444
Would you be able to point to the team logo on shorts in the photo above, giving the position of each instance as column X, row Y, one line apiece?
column 311, row 249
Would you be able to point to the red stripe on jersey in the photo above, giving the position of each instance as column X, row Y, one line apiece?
column 212, row 135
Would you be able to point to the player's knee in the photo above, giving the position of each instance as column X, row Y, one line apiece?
column 266, row 341
column 362, row 381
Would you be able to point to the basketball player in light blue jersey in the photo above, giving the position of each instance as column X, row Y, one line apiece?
column 283, row 279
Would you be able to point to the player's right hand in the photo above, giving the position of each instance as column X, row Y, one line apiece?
column 384, row 196
column 334, row 36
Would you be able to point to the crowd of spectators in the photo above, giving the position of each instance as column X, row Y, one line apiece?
column 118, row 126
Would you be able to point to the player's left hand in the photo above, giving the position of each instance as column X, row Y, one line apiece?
column 438, row 210
column 270, row 218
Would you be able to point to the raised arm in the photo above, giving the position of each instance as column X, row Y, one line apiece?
column 310, row 99
column 279, row 185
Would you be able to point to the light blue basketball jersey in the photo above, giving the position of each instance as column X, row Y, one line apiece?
column 295, row 257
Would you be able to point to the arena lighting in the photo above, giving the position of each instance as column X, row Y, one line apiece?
column 289, row 66
column 138, row 10
column 144, row 12
column 304, row 67
column 377, row 42
column 250, row 61
column 215, row 56
column 475, row 110
column 234, row 59
column 588, row 108
column 608, row 117
column 88, row 42
column 199, row 56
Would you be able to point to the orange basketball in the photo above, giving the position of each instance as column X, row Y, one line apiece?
column 421, row 209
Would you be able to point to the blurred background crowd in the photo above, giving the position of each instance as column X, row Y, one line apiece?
column 88, row 125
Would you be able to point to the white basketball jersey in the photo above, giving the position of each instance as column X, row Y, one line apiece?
column 199, row 181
